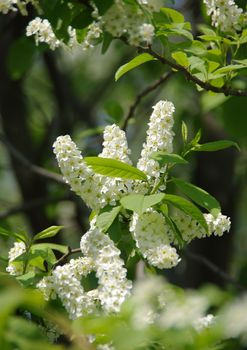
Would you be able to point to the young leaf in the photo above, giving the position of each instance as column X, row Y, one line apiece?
column 187, row 207
column 105, row 219
column 181, row 58
column 58, row 247
column 22, row 236
column 114, row 168
column 140, row 203
column 172, row 15
column 135, row 62
column 175, row 230
column 215, row 146
column 165, row 158
column 184, row 132
column 48, row 232
column 197, row 194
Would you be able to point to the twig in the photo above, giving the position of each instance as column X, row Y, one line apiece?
column 142, row 94
column 34, row 168
column 29, row 205
column 227, row 91
column 65, row 256
column 214, row 268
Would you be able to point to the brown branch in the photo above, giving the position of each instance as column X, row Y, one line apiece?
column 227, row 91
column 33, row 168
column 26, row 206
column 164, row 78
column 214, row 268
column 64, row 257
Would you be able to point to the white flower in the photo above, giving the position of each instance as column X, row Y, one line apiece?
column 43, row 32
column 147, row 32
column 219, row 224
column 94, row 32
column 159, row 138
column 8, row 5
column 113, row 287
column 188, row 227
column 75, row 171
column 151, row 234
column 16, row 267
column 225, row 14
column 65, row 282
column 234, row 319
column 204, row 322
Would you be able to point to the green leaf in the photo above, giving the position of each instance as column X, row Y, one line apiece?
column 197, row 138
column 140, row 203
column 58, row 247
column 175, row 230
column 166, row 158
column 114, row 168
column 215, row 146
column 229, row 68
column 187, row 207
column 48, row 232
column 103, row 6
column 137, row 61
column 107, row 39
column 106, row 218
column 184, row 131
column 83, row 19
column 197, row 194
column 181, row 58
column 172, row 15
column 22, row 236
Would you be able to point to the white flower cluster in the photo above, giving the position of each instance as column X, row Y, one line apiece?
column 93, row 33
column 15, row 268
column 75, row 171
column 122, row 20
column 65, row 282
column 225, row 14
column 204, row 322
column 190, row 228
column 43, row 32
column 101, row 256
column 114, row 287
column 156, row 302
column 151, row 234
column 96, row 190
column 7, row 5
column 234, row 319
column 159, row 138
column 14, row 5
column 218, row 224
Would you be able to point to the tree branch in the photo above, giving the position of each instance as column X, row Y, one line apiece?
column 65, row 256
column 142, row 94
column 33, row 168
column 214, row 268
column 227, row 91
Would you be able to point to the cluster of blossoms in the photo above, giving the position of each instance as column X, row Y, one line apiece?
column 159, row 138
column 120, row 20
column 42, row 30
column 190, row 229
column 101, row 256
column 168, row 308
column 151, row 234
column 150, row 231
column 7, row 6
column 225, row 14
column 15, row 268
